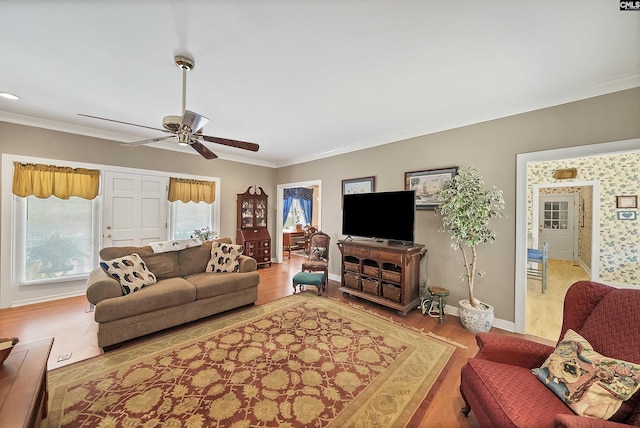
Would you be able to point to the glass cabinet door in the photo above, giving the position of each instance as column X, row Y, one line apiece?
column 247, row 213
column 261, row 213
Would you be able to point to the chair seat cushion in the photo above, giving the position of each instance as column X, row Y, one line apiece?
column 309, row 278
column 510, row 402
column 533, row 254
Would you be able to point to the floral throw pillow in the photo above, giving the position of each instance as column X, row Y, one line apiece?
column 224, row 257
column 318, row 254
column 589, row 383
column 131, row 271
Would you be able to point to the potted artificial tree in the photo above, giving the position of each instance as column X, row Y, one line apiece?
column 466, row 209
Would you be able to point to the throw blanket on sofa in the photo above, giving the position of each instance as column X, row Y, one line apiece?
column 175, row 245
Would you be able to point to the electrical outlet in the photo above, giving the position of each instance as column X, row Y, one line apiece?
column 64, row 357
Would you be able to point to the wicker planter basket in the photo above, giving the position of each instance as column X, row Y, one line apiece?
column 391, row 292
column 391, row 275
column 352, row 280
column 351, row 266
column 370, row 286
column 370, row 270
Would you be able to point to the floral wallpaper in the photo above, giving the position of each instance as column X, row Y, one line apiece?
column 618, row 174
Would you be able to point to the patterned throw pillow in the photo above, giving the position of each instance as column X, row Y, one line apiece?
column 318, row 254
column 131, row 271
column 588, row 382
column 224, row 257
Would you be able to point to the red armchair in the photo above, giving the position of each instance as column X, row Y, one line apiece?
column 498, row 386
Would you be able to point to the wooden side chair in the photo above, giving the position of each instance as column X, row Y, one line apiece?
column 318, row 255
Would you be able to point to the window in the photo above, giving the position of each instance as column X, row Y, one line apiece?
column 294, row 216
column 189, row 216
column 55, row 238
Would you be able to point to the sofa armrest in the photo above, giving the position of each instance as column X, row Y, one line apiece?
column 247, row 264
column 101, row 286
column 568, row 421
column 512, row 350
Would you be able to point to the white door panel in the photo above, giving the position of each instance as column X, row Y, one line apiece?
column 557, row 225
column 135, row 209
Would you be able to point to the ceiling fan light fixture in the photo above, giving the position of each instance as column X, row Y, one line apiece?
column 184, row 138
column 193, row 122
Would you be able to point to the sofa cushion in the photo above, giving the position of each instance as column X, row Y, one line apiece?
column 163, row 265
column 130, row 271
column 224, row 257
column 216, row 284
column 589, row 383
column 163, row 294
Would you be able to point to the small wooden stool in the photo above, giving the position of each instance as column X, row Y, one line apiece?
column 308, row 278
column 437, row 302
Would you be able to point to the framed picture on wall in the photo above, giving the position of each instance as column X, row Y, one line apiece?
column 627, row 201
column 427, row 184
column 359, row 185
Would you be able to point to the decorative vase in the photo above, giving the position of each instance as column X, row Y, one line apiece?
column 476, row 319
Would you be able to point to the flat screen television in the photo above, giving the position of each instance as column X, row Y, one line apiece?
column 382, row 215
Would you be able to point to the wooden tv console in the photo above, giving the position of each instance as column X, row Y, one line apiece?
column 382, row 273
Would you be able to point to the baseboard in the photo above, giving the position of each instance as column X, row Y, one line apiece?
column 48, row 298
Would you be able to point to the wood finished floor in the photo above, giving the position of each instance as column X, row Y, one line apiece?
column 72, row 325
column 544, row 310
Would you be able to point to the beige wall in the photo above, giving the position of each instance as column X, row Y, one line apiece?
column 234, row 177
column 492, row 148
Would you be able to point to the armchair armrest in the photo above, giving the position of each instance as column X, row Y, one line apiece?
column 512, row 350
column 568, row 421
column 247, row 264
column 101, row 286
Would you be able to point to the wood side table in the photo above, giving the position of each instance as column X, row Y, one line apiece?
column 23, row 385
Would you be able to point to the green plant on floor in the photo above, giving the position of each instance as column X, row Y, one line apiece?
column 466, row 209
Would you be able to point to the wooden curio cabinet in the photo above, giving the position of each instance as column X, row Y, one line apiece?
column 252, row 229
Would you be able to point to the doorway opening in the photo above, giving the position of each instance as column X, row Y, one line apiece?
column 280, row 218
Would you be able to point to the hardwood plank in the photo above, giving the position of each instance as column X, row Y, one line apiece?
column 73, row 327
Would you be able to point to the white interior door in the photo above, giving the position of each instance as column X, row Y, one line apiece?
column 557, row 225
column 135, row 209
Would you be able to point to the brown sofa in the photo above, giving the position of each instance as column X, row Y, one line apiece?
column 184, row 292
column 498, row 384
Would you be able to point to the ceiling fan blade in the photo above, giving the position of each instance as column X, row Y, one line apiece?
column 203, row 150
column 232, row 143
column 124, row 123
column 150, row 140
column 194, row 121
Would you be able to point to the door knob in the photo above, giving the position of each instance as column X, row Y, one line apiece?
column 108, row 235
column 108, row 227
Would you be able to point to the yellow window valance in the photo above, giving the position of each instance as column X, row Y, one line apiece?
column 188, row 190
column 44, row 181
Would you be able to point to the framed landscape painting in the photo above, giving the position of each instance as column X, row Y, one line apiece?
column 427, row 184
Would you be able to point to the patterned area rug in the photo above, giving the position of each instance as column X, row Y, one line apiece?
column 304, row 360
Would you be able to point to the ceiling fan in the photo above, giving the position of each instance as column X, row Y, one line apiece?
column 187, row 129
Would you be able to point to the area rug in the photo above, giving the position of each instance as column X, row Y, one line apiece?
column 301, row 361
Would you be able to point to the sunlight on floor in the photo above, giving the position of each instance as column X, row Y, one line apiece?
column 544, row 311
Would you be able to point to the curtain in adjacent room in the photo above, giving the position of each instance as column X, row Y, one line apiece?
column 43, row 181
column 189, row 190
column 305, row 197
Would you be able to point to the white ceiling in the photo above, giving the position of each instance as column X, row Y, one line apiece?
column 307, row 79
